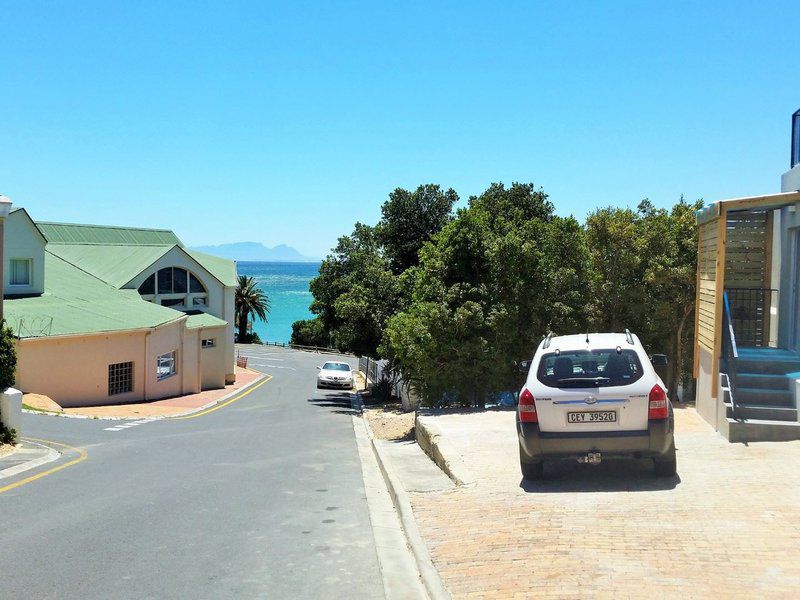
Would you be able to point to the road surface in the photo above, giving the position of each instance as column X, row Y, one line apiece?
column 261, row 498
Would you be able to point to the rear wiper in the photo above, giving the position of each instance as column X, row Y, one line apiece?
column 583, row 381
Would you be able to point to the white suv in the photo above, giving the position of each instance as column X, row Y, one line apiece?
column 594, row 396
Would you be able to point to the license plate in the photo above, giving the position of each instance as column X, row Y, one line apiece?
column 594, row 416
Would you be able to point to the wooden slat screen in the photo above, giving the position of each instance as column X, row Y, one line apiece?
column 747, row 253
column 707, row 293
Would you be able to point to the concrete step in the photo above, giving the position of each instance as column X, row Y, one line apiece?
column 764, row 413
column 762, row 381
column 759, row 430
column 762, row 353
column 772, row 366
column 764, row 397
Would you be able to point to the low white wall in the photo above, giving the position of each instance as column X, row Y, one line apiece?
column 790, row 181
column 706, row 404
column 11, row 409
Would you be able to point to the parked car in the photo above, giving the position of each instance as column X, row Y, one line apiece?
column 590, row 397
column 335, row 375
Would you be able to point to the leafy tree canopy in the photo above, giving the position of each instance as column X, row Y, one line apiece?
column 409, row 219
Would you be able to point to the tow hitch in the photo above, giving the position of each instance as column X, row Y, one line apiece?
column 593, row 458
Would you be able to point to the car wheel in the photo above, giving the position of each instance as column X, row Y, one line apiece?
column 532, row 471
column 666, row 465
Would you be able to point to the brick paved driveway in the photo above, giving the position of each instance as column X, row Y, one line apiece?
column 729, row 526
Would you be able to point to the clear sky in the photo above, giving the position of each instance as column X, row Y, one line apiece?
column 287, row 122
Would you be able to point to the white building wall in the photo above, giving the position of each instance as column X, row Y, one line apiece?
column 790, row 181
column 22, row 240
column 221, row 299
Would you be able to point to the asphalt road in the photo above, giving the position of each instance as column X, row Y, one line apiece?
column 261, row 498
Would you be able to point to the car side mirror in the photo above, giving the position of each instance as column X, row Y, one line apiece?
column 659, row 360
column 319, row 368
column 524, row 366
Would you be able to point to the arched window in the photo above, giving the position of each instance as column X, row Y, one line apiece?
column 175, row 287
column 148, row 287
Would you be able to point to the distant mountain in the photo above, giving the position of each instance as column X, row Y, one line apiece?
column 255, row 251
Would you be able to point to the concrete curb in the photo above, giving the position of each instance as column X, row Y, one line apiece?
column 154, row 417
column 31, row 464
column 430, row 439
column 430, row 576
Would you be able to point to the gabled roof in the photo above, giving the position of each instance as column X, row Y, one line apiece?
column 116, row 265
column 16, row 209
column 76, row 233
column 221, row 268
column 118, row 254
column 75, row 302
column 202, row 319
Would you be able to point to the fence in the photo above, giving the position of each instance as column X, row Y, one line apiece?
column 372, row 369
column 751, row 309
column 317, row 349
column 31, row 327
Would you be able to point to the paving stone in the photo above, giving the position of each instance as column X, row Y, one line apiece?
column 729, row 526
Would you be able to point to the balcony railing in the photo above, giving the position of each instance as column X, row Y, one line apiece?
column 750, row 313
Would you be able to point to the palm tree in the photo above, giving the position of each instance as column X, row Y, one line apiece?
column 250, row 300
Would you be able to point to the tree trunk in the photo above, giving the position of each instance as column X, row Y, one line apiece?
column 676, row 375
column 243, row 326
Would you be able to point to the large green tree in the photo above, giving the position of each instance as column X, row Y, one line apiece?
column 409, row 219
column 643, row 277
column 363, row 281
column 488, row 286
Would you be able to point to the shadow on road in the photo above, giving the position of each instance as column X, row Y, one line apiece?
column 343, row 401
column 610, row 476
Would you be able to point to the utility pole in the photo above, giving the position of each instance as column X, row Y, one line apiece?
column 5, row 208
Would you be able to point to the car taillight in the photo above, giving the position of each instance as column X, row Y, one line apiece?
column 658, row 404
column 527, row 407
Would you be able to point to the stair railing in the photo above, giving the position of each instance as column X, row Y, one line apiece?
column 730, row 353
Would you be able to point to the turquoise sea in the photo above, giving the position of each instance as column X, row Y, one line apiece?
column 286, row 284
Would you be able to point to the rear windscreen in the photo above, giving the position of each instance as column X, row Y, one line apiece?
column 588, row 368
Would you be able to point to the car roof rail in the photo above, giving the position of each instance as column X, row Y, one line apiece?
column 547, row 340
column 629, row 337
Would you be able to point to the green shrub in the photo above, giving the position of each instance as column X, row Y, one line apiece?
column 250, row 338
column 7, row 436
column 8, row 357
column 310, row 332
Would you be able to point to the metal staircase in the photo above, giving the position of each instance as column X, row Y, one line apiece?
column 764, row 381
column 760, row 402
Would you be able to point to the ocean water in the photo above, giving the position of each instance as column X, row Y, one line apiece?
column 286, row 284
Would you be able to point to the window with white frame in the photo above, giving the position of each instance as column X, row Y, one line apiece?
column 166, row 365
column 120, row 378
column 209, row 343
column 175, row 287
column 20, row 271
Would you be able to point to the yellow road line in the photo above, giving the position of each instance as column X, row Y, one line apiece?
column 81, row 456
column 232, row 400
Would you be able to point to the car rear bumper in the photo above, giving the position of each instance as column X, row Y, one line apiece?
column 537, row 445
column 335, row 384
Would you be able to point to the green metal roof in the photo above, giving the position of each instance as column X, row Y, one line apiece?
column 116, row 265
column 221, row 268
column 75, row 302
column 204, row 320
column 75, row 233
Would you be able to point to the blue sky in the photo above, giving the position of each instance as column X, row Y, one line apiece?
column 287, row 122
